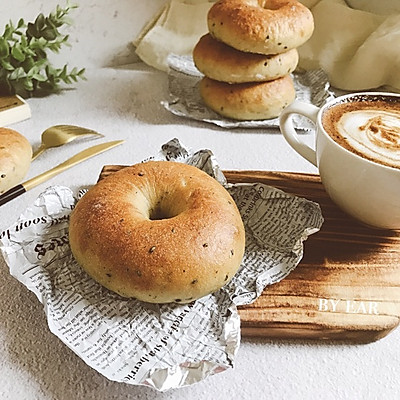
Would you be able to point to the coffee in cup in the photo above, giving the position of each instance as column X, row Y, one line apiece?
column 357, row 153
column 368, row 128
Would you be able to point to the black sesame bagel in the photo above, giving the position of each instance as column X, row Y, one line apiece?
column 261, row 26
column 248, row 101
column 224, row 63
column 15, row 158
column 158, row 231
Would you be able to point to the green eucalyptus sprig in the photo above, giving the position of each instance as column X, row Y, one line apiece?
column 24, row 65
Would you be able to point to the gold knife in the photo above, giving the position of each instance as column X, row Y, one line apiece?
column 31, row 183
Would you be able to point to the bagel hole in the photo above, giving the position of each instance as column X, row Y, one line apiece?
column 166, row 204
column 160, row 211
column 268, row 5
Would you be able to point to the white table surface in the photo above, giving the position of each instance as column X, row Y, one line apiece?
column 123, row 102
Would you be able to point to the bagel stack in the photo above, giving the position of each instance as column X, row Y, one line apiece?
column 248, row 54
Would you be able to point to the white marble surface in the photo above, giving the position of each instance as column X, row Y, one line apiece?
column 124, row 103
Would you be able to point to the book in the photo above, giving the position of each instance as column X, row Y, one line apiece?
column 13, row 109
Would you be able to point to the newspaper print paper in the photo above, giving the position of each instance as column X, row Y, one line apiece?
column 185, row 100
column 161, row 346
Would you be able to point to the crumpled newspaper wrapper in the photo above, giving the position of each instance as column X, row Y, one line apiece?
column 185, row 100
column 161, row 346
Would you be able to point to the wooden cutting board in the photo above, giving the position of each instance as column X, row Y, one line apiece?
column 347, row 285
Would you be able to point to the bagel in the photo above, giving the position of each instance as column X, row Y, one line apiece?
column 159, row 231
column 15, row 158
column 224, row 63
column 265, row 27
column 248, row 101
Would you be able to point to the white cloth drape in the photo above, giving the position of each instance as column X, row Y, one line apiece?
column 357, row 49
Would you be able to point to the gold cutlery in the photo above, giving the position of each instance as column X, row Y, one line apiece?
column 58, row 135
column 31, row 183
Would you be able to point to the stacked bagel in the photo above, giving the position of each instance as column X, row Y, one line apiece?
column 248, row 55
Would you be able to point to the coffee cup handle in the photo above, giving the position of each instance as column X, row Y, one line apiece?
column 289, row 132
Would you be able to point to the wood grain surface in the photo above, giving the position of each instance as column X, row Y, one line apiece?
column 346, row 287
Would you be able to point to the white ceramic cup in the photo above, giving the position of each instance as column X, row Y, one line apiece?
column 368, row 191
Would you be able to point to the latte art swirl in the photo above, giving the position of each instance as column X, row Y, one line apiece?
column 383, row 132
column 373, row 133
